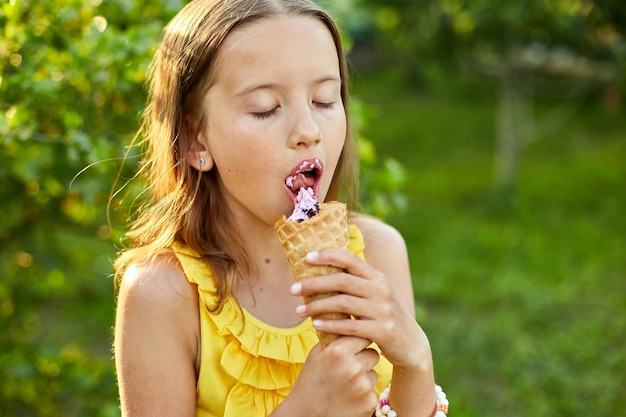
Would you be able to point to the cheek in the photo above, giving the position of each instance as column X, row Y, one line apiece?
column 338, row 137
column 336, row 140
column 240, row 160
column 242, row 163
column 232, row 147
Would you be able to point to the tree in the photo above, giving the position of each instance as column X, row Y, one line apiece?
column 71, row 82
column 72, row 78
column 524, row 47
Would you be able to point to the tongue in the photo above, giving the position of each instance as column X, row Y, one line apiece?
column 299, row 181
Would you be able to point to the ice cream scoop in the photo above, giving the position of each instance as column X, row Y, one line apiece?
column 306, row 205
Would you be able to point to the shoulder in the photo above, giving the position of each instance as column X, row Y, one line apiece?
column 378, row 235
column 385, row 250
column 160, row 278
column 157, row 293
column 155, row 296
column 157, row 339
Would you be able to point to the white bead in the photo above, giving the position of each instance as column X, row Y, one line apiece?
column 386, row 410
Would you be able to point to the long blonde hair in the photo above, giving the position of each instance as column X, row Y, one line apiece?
column 185, row 205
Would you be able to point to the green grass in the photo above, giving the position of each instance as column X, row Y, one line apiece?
column 523, row 295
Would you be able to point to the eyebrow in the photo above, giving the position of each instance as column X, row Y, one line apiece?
column 273, row 86
column 250, row 89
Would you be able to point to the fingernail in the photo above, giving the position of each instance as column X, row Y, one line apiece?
column 296, row 288
column 318, row 324
column 312, row 256
column 300, row 310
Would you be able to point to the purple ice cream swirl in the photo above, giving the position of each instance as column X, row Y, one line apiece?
column 306, row 205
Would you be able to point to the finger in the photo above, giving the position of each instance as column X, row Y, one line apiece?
column 340, row 303
column 352, row 344
column 333, row 283
column 373, row 377
column 369, row 358
column 343, row 259
column 366, row 329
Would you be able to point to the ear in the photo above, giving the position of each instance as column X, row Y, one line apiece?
column 199, row 155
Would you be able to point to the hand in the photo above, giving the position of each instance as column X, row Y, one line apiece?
column 366, row 294
column 337, row 380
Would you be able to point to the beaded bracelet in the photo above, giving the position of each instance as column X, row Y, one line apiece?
column 384, row 409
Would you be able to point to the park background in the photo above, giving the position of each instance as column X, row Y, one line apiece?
column 492, row 136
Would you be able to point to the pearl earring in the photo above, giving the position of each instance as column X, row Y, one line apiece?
column 201, row 161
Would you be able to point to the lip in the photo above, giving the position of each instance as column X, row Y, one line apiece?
column 312, row 164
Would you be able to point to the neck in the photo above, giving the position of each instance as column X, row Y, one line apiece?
column 259, row 241
column 264, row 288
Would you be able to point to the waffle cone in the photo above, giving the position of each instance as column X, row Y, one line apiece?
column 327, row 229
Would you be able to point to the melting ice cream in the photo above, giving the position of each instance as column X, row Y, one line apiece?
column 306, row 205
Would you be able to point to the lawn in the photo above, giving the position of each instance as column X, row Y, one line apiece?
column 523, row 294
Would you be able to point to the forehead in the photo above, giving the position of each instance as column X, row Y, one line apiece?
column 276, row 44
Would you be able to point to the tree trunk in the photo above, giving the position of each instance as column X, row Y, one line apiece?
column 508, row 129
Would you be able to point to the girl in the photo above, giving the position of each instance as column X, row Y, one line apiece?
column 209, row 320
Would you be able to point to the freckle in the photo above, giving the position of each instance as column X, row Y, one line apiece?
column 267, row 260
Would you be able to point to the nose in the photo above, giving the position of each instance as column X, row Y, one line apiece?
column 305, row 130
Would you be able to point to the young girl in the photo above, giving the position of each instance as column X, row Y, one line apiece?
column 209, row 320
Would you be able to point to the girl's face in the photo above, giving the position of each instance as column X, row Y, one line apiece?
column 274, row 110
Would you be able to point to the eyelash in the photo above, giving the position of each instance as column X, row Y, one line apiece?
column 270, row 113
column 329, row 106
column 266, row 114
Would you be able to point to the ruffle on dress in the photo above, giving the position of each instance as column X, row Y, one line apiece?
column 264, row 361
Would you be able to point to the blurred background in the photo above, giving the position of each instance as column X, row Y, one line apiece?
column 492, row 135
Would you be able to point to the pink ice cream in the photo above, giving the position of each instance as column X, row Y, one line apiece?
column 302, row 186
column 306, row 205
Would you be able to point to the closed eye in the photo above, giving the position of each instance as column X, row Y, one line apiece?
column 325, row 105
column 265, row 114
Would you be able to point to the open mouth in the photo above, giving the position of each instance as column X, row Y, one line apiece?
column 306, row 175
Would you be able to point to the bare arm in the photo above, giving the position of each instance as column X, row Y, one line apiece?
column 379, row 292
column 156, row 342
column 412, row 385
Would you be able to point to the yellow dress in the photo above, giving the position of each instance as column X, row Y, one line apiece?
column 247, row 366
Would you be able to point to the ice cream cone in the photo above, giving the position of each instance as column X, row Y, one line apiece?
column 327, row 229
